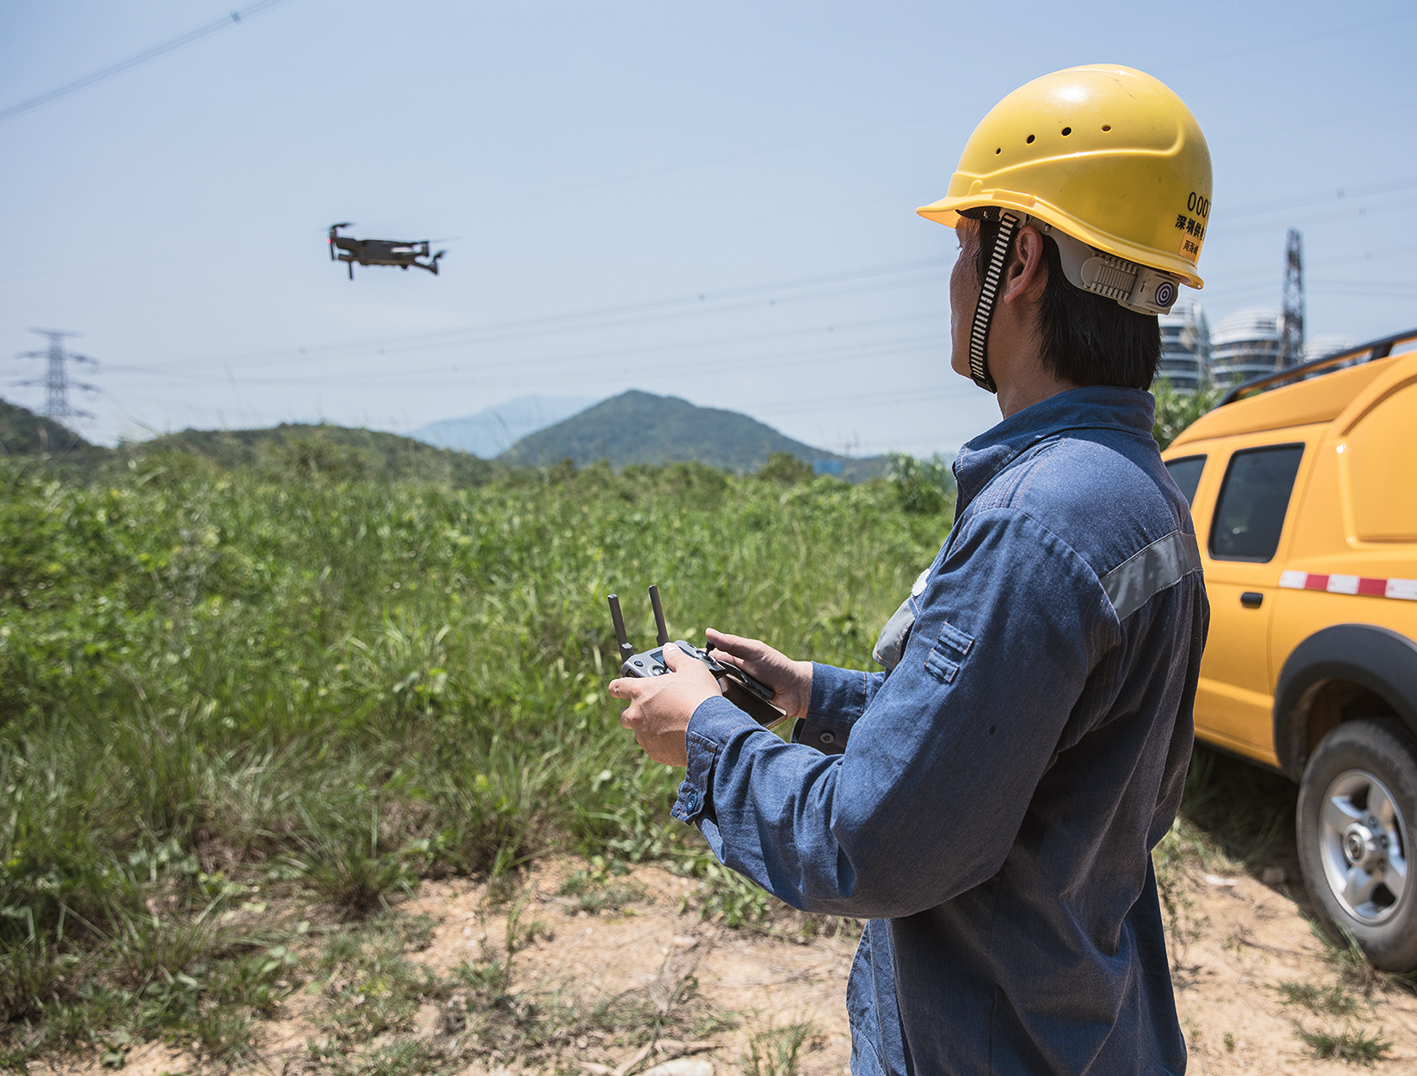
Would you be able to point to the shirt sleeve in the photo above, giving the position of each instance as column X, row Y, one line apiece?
column 946, row 751
column 839, row 698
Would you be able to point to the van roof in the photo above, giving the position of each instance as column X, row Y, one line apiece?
column 1328, row 386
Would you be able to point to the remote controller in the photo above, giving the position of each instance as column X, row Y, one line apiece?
column 743, row 691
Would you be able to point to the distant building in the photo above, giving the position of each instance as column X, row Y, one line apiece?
column 1321, row 347
column 1246, row 345
column 1185, row 347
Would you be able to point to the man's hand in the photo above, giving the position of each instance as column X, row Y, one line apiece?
column 790, row 680
column 660, row 706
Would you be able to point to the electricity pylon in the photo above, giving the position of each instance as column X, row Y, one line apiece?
column 1291, row 325
column 56, row 379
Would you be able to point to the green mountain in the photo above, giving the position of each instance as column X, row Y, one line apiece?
column 337, row 452
column 23, row 433
column 639, row 427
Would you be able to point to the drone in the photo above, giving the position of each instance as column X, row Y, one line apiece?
column 380, row 251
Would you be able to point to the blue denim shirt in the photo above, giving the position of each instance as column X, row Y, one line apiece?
column 1005, row 780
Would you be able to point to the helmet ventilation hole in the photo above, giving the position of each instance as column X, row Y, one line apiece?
column 1067, row 131
column 1106, row 126
column 1029, row 139
column 999, row 150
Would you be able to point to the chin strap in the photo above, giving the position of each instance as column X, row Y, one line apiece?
column 984, row 309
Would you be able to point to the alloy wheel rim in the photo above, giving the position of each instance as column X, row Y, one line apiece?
column 1363, row 845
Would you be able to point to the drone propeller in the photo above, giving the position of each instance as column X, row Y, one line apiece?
column 334, row 228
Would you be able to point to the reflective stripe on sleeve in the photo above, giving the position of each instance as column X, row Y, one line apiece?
column 1150, row 570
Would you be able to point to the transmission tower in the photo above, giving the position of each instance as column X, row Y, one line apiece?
column 1291, row 341
column 56, row 379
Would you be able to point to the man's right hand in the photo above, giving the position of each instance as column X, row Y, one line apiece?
column 790, row 680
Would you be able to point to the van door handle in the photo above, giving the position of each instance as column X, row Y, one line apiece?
column 1251, row 599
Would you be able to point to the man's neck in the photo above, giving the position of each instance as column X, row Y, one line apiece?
column 1017, row 365
column 1036, row 386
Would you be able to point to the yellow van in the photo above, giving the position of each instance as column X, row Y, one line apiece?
column 1303, row 488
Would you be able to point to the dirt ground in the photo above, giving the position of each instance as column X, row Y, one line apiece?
column 1241, row 940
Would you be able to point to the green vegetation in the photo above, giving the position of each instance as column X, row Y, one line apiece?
column 23, row 433
column 1234, row 816
column 598, row 888
column 1331, row 1001
column 925, row 486
column 775, row 1052
column 248, row 679
column 219, row 688
column 1176, row 410
column 333, row 453
column 1245, row 812
column 1349, row 1044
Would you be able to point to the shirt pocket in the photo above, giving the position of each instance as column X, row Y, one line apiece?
column 943, row 660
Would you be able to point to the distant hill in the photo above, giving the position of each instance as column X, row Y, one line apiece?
column 496, row 429
column 336, row 451
column 23, row 433
column 639, row 427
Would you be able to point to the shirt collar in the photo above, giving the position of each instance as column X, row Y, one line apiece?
column 1093, row 407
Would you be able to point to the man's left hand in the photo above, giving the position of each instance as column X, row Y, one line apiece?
column 660, row 706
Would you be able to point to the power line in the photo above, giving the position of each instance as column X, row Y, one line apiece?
column 1333, row 194
column 146, row 56
column 759, row 361
column 834, row 333
column 815, row 287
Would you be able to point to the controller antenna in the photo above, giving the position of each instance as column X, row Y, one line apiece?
column 663, row 636
column 621, row 640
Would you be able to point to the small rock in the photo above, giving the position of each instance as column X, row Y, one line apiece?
column 1272, row 876
column 683, row 1066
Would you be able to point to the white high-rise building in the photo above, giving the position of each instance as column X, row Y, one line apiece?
column 1246, row 345
column 1321, row 347
column 1185, row 347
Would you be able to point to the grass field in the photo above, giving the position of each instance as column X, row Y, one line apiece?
column 218, row 684
column 225, row 681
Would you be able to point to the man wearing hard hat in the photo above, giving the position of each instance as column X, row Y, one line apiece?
column 1003, row 782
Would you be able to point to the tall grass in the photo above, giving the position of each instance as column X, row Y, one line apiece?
column 210, row 679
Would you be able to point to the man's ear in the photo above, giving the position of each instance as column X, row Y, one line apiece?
column 1026, row 275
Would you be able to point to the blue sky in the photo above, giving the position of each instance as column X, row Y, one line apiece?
column 599, row 166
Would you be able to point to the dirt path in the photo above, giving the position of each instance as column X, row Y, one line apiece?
column 716, row 995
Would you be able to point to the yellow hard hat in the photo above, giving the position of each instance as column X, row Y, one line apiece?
column 1107, row 155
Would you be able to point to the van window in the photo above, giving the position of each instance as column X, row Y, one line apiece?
column 1186, row 474
column 1253, row 500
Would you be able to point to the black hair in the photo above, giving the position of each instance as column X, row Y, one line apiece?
column 1085, row 338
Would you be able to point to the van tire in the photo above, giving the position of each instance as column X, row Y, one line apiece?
column 1356, row 823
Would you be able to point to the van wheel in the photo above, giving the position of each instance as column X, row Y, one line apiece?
column 1357, row 818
